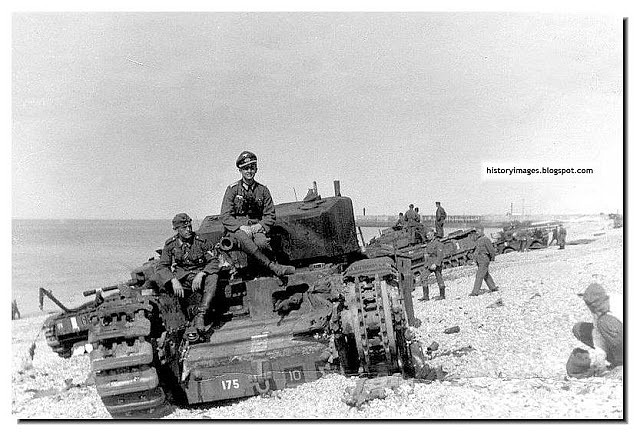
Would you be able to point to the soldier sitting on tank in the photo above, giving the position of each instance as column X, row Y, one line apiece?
column 195, row 263
column 248, row 213
column 434, row 253
column 411, row 223
column 400, row 223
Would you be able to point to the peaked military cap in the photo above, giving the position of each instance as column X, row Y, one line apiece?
column 246, row 158
column 180, row 220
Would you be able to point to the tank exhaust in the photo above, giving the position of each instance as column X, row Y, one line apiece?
column 336, row 188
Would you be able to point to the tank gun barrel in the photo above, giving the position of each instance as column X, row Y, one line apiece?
column 108, row 288
column 226, row 243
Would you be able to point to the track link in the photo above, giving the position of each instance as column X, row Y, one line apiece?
column 123, row 363
column 379, row 326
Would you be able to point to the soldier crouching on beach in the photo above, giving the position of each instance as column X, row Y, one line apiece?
column 603, row 336
column 434, row 253
column 195, row 263
column 248, row 213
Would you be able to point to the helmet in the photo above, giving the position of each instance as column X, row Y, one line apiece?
column 180, row 220
column 246, row 158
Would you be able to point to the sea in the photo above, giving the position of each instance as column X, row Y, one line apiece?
column 68, row 257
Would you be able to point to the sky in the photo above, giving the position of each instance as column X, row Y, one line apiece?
column 142, row 115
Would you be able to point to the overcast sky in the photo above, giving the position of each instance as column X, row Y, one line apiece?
column 142, row 115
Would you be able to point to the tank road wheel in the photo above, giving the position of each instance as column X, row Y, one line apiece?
column 123, row 363
column 378, row 322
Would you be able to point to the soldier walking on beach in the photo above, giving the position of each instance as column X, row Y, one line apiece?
column 441, row 216
column 484, row 253
column 434, row 253
column 248, row 213
column 195, row 263
column 562, row 237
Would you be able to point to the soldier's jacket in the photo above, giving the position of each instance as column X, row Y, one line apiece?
column 246, row 205
column 521, row 234
column 434, row 253
column 200, row 255
column 562, row 232
column 411, row 218
column 441, row 215
column 484, row 250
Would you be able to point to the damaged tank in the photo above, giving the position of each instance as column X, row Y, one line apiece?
column 521, row 236
column 339, row 312
column 411, row 243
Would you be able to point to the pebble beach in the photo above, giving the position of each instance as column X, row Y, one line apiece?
column 506, row 362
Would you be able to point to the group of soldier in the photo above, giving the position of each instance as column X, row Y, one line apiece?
column 189, row 263
column 559, row 235
column 484, row 254
column 411, row 219
column 524, row 236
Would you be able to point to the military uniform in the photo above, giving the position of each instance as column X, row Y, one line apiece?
column 411, row 223
column 562, row 237
column 411, row 218
column 484, row 253
column 247, row 205
column 522, row 236
column 554, row 236
column 441, row 216
column 434, row 253
column 183, row 259
column 250, row 204
column 189, row 258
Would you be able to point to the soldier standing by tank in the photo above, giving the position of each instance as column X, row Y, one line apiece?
column 484, row 253
column 562, row 236
column 418, row 218
column 248, row 213
column 554, row 236
column 521, row 236
column 441, row 216
column 434, row 253
column 196, row 266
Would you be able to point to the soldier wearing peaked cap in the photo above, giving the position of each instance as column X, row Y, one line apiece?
column 195, row 266
column 248, row 213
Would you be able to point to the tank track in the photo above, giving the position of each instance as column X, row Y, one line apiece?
column 127, row 357
column 63, row 349
column 378, row 321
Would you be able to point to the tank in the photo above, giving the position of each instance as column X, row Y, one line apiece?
column 69, row 329
column 340, row 312
column 520, row 236
column 410, row 243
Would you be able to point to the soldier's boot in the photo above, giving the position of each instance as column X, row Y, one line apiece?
column 281, row 270
column 205, row 303
column 276, row 268
column 198, row 320
column 441, row 296
column 425, row 293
